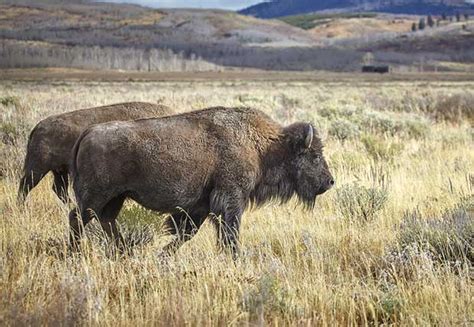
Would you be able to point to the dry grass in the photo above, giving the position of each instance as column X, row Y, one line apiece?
column 392, row 244
column 10, row 16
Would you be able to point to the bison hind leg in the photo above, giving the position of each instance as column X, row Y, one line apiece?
column 106, row 214
column 35, row 167
column 60, row 185
column 29, row 180
column 108, row 221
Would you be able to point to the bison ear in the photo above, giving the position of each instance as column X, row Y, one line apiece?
column 300, row 136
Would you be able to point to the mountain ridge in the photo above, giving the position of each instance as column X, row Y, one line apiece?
column 281, row 8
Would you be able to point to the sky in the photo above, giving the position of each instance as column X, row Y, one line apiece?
column 221, row 4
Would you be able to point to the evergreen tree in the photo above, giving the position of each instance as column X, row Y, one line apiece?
column 430, row 21
column 421, row 24
column 458, row 17
column 413, row 27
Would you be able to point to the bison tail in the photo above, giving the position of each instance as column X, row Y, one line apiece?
column 28, row 157
column 75, row 151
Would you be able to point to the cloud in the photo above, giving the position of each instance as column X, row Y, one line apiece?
column 222, row 4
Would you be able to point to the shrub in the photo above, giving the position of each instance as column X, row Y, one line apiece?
column 133, row 236
column 409, row 263
column 376, row 122
column 9, row 101
column 348, row 160
column 333, row 113
column 388, row 308
column 287, row 107
column 448, row 239
column 415, row 102
column 268, row 297
column 342, row 130
column 12, row 133
column 135, row 215
column 380, row 149
column 460, row 137
column 68, row 303
column 137, row 225
column 454, row 108
column 386, row 124
column 14, row 127
column 359, row 203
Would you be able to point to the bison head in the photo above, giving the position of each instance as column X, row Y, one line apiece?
column 308, row 168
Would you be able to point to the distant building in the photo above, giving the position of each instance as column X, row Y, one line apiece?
column 381, row 69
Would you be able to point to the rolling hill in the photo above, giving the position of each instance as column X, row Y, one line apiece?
column 132, row 25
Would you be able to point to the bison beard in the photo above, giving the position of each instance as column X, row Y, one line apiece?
column 211, row 163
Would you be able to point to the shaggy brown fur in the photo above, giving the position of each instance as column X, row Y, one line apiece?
column 51, row 141
column 210, row 162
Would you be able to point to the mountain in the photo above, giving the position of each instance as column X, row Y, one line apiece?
column 76, row 22
column 78, row 34
column 280, row 8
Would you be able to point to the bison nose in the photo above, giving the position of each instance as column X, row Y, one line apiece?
column 326, row 185
column 330, row 183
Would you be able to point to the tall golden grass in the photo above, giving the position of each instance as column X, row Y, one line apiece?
column 375, row 250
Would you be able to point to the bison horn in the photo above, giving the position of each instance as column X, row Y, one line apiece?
column 309, row 137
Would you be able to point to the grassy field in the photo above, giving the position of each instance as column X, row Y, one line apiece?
column 391, row 244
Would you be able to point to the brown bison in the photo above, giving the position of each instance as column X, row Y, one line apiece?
column 213, row 162
column 51, row 141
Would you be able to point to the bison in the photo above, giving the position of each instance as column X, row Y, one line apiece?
column 209, row 163
column 52, row 139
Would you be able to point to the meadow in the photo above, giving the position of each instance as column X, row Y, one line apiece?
column 392, row 243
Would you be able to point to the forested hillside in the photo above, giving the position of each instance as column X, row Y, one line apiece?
column 280, row 8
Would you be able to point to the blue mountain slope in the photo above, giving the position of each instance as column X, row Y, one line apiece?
column 280, row 8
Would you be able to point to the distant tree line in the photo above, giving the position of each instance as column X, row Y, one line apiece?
column 14, row 54
column 346, row 57
column 431, row 23
column 185, row 57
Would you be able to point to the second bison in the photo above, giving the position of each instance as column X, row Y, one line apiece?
column 51, row 141
column 213, row 162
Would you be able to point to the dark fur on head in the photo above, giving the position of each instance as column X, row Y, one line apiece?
column 294, row 164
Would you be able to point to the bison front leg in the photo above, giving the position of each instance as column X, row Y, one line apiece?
column 60, row 185
column 228, row 233
column 228, row 212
